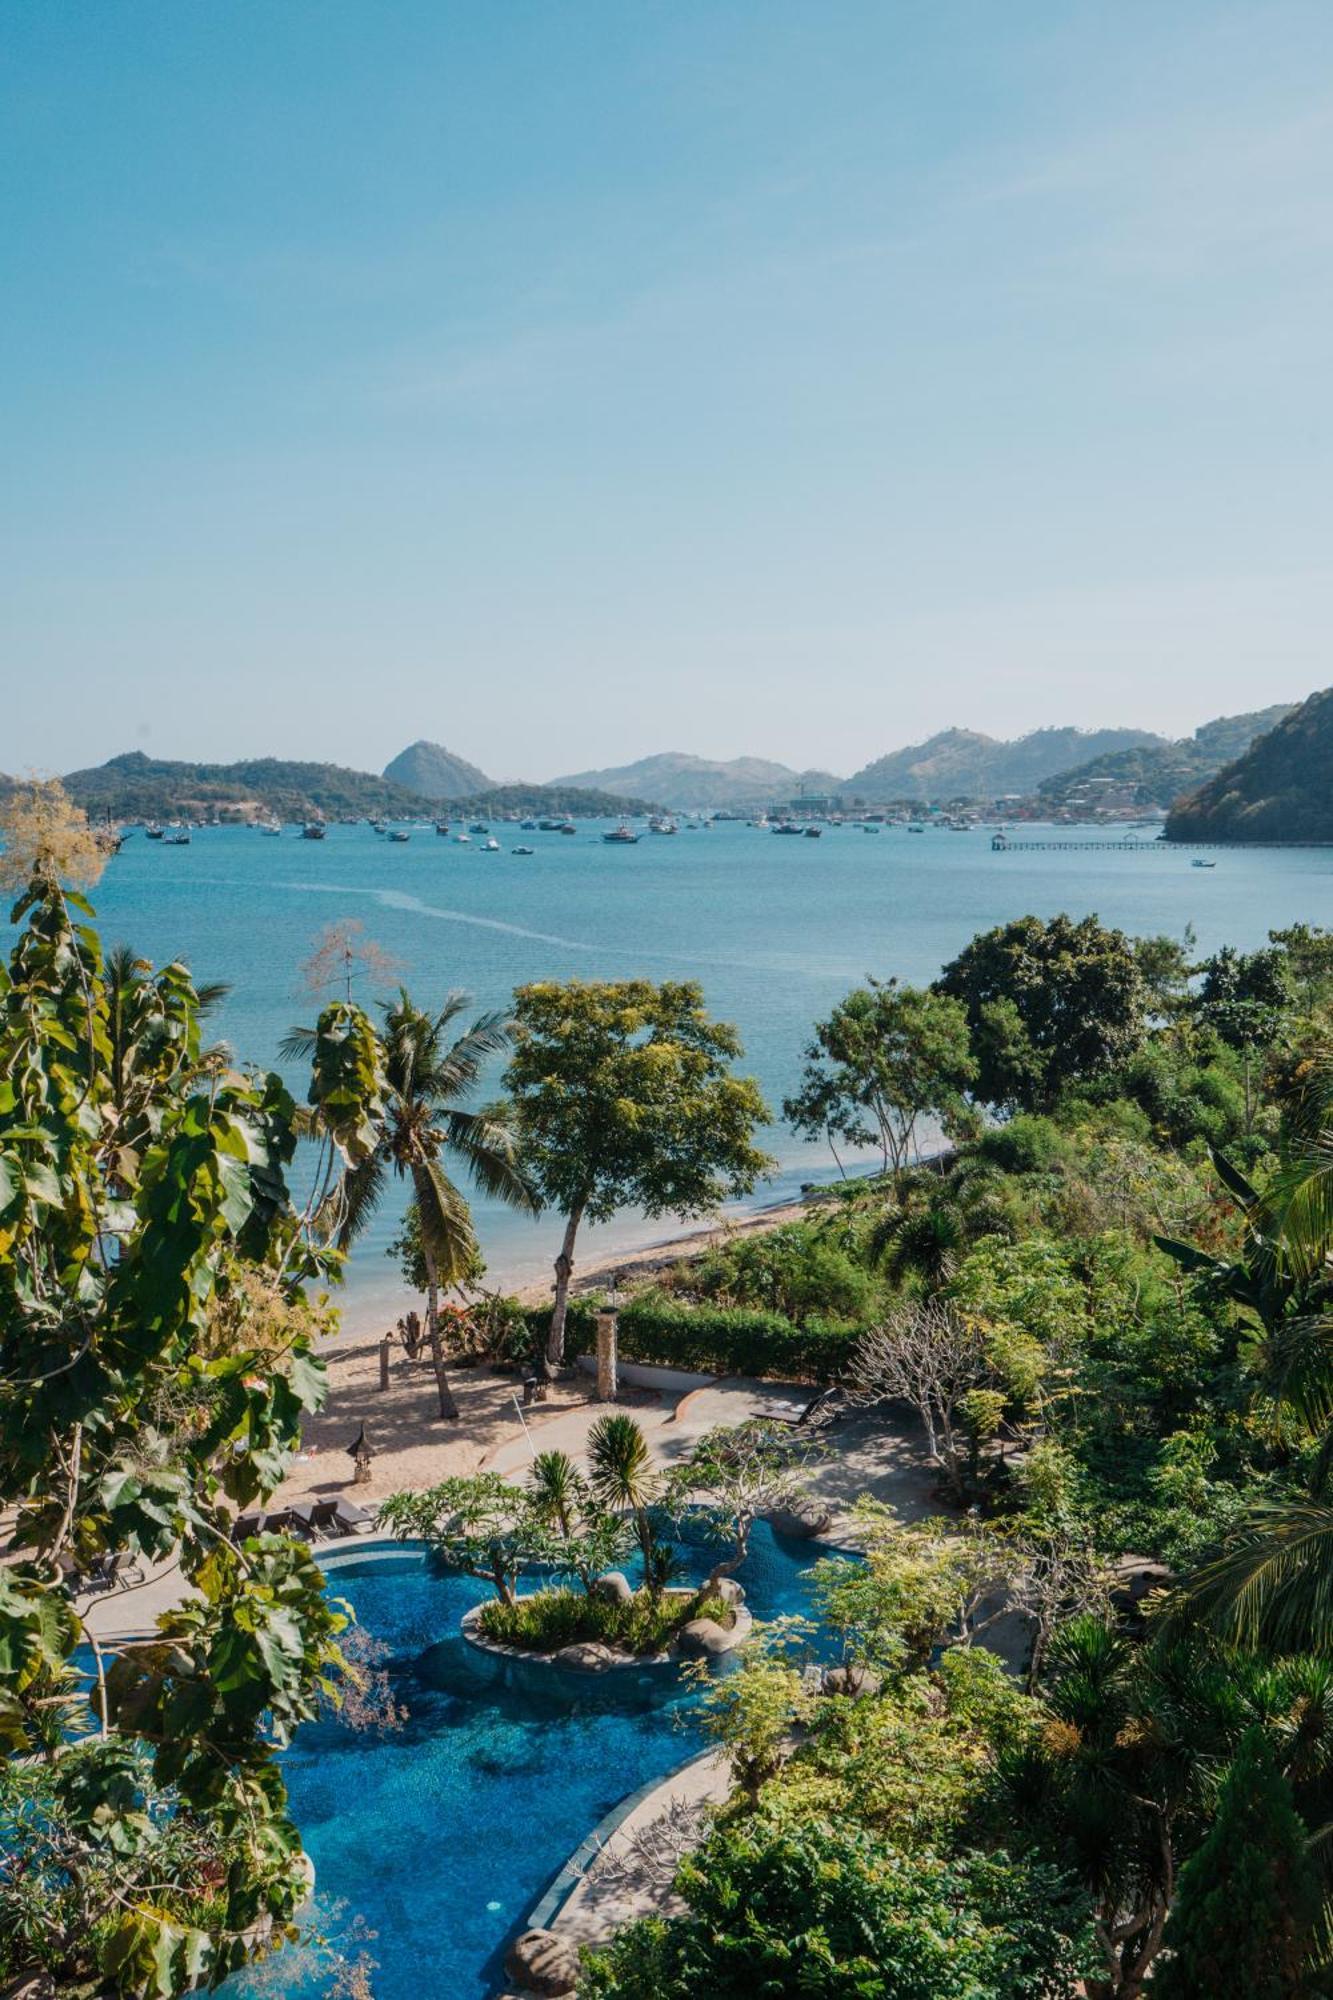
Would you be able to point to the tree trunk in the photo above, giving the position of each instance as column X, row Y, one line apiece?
column 564, row 1271
column 448, row 1407
column 728, row 1564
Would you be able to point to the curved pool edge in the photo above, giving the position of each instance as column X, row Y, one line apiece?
column 550, row 1905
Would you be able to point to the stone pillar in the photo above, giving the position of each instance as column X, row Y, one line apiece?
column 384, row 1362
column 608, row 1374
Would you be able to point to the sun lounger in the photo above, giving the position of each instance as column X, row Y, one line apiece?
column 351, row 1519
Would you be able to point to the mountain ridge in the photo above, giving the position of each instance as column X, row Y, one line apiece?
column 1277, row 790
column 433, row 772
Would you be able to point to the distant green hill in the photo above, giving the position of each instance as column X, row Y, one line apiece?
column 684, row 782
column 962, row 763
column 137, row 787
column 541, row 800
column 1280, row 789
column 1157, row 774
column 433, row 772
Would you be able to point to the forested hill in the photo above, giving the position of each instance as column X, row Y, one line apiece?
column 136, row 787
column 1281, row 789
column 1160, row 773
column 543, row 800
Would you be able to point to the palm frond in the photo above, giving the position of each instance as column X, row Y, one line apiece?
column 445, row 1222
column 298, row 1044
column 489, row 1148
column 1273, row 1583
column 355, row 1199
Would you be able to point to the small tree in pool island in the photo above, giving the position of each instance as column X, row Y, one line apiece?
column 624, row 1097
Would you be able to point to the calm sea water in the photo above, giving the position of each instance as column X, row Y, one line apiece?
column 775, row 929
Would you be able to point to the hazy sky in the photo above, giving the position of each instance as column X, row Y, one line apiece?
column 574, row 379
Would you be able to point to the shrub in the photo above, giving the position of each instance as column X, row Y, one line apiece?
column 549, row 1619
column 716, row 1340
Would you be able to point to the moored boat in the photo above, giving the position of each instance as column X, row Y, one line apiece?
column 621, row 836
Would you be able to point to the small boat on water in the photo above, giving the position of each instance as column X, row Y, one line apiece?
column 152, row 833
column 522, row 850
column 662, row 826
column 270, row 828
column 442, row 828
column 529, row 826
column 812, row 832
column 490, row 847
column 179, row 838
column 399, row 833
column 786, row 826
column 479, row 826
column 314, row 829
column 620, row 836
column 1199, row 862
column 568, row 826
column 463, row 839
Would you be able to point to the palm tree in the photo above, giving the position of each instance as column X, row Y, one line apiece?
column 621, row 1470
column 1272, row 1582
column 426, row 1075
column 558, row 1490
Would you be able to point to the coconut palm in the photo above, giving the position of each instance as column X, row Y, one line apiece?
column 427, row 1073
column 622, row 1475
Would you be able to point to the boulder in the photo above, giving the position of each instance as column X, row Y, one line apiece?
column 850, row 1681
column 588, row 1655
column 543, row 1963
column 729, row 1590
column 806, row 1519
column 613, row 1585
column 702, row 1638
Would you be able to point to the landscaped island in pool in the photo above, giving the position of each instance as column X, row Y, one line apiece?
column 443, row 1834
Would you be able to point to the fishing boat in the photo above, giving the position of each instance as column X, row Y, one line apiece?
column 270, row 828
column 478, row 826
column 490, row 847
column 442, row 828
column 314, row 829
column 1199, row 862
column 152, row 833
column 399, row 833
column 662, row 826
column 812, row 832
column 568, row 826
column 786, row 826
column 529, row 826
column 621, row 836
column 522, row 850
column 463, row 839
column 179, row 838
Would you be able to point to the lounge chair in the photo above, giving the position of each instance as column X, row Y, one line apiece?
column 351, row 1519
column 246, row 1525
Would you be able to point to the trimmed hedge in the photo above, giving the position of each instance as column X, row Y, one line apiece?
column 713, row 1340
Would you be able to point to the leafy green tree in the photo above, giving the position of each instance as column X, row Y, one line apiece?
column 623, row 1097
column 479, row 1525
column 1049, row 1002
column 825, row 1912
column 887, row 1057
column 155, row 1361
column 422, row 1120
column 1246, row 1908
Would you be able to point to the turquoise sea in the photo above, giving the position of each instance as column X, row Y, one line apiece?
column 775, row 929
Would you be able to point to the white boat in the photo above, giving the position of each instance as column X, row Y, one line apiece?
column 1201, row 863
column 490, row 847
column 399, row 833
column 463, row 839
column 522, row 850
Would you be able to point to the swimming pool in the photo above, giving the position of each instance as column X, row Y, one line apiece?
column 442, row 1835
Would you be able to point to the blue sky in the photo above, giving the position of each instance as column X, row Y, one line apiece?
column 569, row 381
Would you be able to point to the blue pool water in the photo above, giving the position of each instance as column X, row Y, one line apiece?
column 442, row 1835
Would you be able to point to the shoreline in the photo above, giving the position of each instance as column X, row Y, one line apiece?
column 650, row 1258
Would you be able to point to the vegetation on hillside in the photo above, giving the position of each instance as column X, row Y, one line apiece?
column 136, row 787
column 1278, row 790
column 1159, row 774
column 547, row 801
